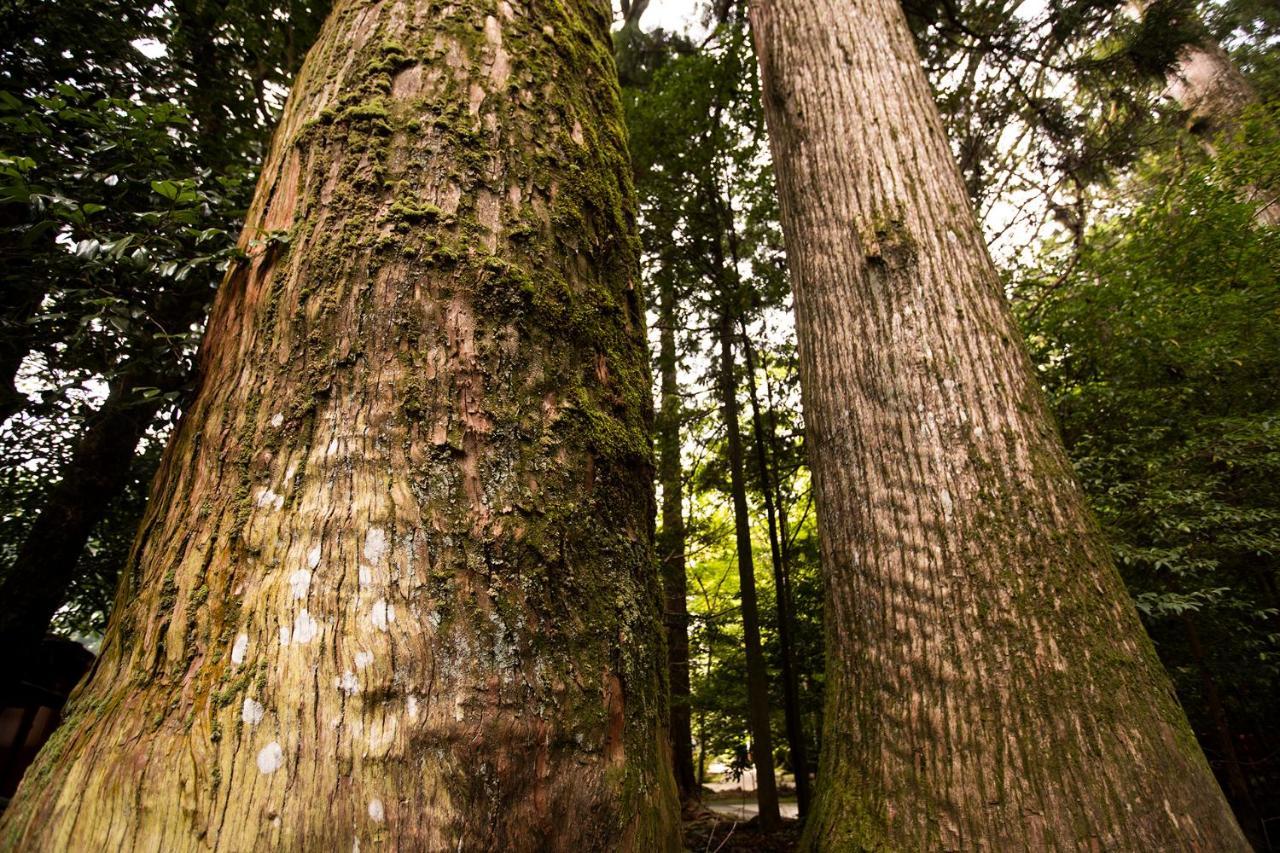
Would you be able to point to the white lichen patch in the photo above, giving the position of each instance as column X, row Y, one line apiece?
column 366, row 576
column 299, row 583
column 948, row 505
column 313, row 558
column 348, row 683
column 278, row 420
column 305, row 629
column 268, row 498
column 363, row 659
column 332, row 449
column 411, row 708
column 239, row 648
column 251, row 712
column 285, row 635
column 270, row 758
column 381, row 614
column 376, row 812
column 375, row 545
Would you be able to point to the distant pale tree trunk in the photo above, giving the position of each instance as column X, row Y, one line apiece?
column 395, row 587
column 1214, row 94
column 671, row 542
column 757, row 674
column 989, row 684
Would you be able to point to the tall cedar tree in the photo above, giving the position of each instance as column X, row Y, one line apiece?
column 989, row 684
column 671, row 541
column 396, row 581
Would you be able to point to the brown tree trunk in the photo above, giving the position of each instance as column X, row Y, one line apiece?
column 989, row 685
column 757, row 676
column 671, row 545
column 395, row 587
column 774, row 511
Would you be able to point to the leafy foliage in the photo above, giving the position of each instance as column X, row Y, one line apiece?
column 1159, row 345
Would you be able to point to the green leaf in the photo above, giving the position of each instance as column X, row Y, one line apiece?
column 168, row 189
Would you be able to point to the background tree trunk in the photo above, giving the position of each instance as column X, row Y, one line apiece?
column 757, row 676
column 1215, row 95
column 989, row 685
column 395, row 586
column 671, row 544
column 36, row 583
column 774, row 511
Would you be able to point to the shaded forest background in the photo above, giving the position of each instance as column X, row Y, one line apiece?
column 1134, row 240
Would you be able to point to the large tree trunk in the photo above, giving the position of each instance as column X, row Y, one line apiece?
column 671, row 544
column 757, row 676
column 395, row 586
column 774, row 512
column 989, row 685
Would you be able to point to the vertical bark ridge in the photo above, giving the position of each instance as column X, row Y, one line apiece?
column 989, row 684
column 395, row 586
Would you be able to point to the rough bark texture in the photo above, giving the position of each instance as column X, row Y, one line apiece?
column 395, row 587
column 757, row 674
column 671, row 545
column 989, row 685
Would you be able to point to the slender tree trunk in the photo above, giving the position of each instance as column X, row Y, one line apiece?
column 757, row 676
column 1237, row 784
column 989, row 685
column 35, row 585
column 395, row 586
column 774, row 510
column 671, row 545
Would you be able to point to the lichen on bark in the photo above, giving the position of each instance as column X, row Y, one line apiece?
column 396, row 583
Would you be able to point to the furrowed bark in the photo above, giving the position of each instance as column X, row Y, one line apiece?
column 671, row 545
column 989, row 685
column 395, row 586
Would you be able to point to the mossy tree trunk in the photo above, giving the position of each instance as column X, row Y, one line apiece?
column 989, row 684
column 671, row 542
column 396, row 587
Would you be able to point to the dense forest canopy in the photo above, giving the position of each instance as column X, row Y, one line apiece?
column 447, row 261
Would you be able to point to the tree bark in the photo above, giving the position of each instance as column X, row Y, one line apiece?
column 774, row 511
column 989, row 685
column 395, row 587
column 671, row 544
column 757, row 676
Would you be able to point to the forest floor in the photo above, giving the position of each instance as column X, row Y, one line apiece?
column 718, row 834
column 722, row 824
